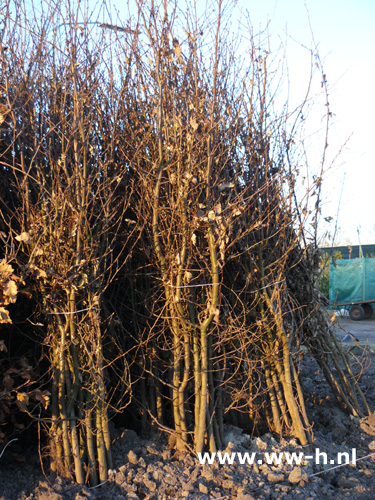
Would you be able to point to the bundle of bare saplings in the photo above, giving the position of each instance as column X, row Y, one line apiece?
column 150, row 204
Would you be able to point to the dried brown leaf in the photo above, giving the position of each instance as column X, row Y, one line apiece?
column 41, row 396
column 25, row 237
column 22, row 400
column 8, row 382
column 193, row 123
column 4, row 316
column 38, row 273
column 10, row 292
column 6, row 270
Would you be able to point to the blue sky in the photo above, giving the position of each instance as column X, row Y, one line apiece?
column 345, row 35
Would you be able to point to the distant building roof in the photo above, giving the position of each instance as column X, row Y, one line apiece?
column 351, row 251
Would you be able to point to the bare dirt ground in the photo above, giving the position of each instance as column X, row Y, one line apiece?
column 148, row 469
column 364, row 330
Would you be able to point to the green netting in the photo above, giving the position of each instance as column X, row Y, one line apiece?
column 352, row 280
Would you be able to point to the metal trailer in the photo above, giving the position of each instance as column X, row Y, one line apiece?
column 358, row 310
column 352, row 283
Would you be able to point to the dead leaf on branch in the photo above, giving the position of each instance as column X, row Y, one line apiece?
column 188, row 276
column 4, row 316
column 38, row 273
column 3, row 347
column 24, row 237
column 177, row 51
column 226, row 185
column 41, row 396
column 193, row 123
column 45, row 401
column 8, row 382
column 22, row 400
column 10, row 292
column 6, row 270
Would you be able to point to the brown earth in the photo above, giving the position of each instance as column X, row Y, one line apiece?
column 148, row 469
